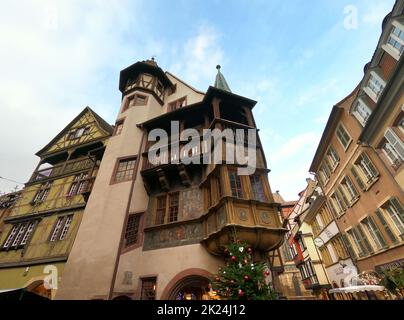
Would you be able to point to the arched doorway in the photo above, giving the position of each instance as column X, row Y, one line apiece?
column 38, row 287
column 190, row 284
column 122, row 297
column 190, row 288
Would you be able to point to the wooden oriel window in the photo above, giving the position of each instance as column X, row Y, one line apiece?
column 148, row 291
column 257, row 187
column 167, row 206
column 173, row 206
column 118, row 127
column 235, row 184
column 125, row 169
column 161, row 209
column 132, row 229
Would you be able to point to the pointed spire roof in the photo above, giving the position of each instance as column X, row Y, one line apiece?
column 220, row 81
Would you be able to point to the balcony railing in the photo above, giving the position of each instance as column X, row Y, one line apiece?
column 62, row 169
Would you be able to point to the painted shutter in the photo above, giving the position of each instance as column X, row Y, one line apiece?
column 397, row 205
column 395, row 142
column 348, row 246
column 364, row 240
column 386, row 227
column 358, row 178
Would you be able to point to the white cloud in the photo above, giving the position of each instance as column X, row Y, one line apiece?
column 305, row 142
column 196, row 60
column 375, row 13
column 52, row 54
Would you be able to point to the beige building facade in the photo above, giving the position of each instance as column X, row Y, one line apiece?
column 155, row 229
column 358, row 162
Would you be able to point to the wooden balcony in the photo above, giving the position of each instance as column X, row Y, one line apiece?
column 258, row 225
column 65, row 168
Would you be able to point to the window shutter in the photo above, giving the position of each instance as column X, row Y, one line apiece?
column 343, row 197
column 370, row 165
column 397, row 205
column 365, row 241
column 358, row 178
column 395, row 141
column 385, row 225
column 348, row 246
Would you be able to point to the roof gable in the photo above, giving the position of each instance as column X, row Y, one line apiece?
column 94, row 126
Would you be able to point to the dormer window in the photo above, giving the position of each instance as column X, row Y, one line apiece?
column 374, row 86
column 179, row 103
column 395, row 40
column 361, row 111
column 79, row 132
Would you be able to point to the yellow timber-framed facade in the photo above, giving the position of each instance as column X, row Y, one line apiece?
column 40, row 228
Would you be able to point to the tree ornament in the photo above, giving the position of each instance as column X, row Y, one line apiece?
column 240, row 265
column 240, row 293
column 266, row 273
column 246, row 278
column 217, row 279
column 233, row 258
column 241, row 249
column 249, row 250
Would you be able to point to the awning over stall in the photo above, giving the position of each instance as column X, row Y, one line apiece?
column 357, row 289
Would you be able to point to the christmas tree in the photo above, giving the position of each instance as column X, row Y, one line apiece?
column 242, row 278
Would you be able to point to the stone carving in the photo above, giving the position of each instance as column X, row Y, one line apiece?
column 265, row 217
column 242, row 215
column 221, row 216
column 127, row 277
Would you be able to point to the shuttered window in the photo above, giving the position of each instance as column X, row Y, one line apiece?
column 374, row 232
column 386, row 226
column 395, row 143
column 343, row 137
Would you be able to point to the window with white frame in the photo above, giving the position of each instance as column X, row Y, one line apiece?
column 374, row 86
column 293, row 251
column 325, row 173
column 362, row 244
column 19, row 235
column 343, row 136
column 338, row 203
column 333, row 157
column 350, row 189
column 361, row 111
column 61, row 228
column 396, row 39
column 79, row 184
column 394, row 147
column 367, row 170
column 374, row 232
column 395, row 212
column 42, row 193
column 386, row 226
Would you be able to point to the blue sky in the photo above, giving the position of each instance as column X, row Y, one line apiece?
column 295, row 58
